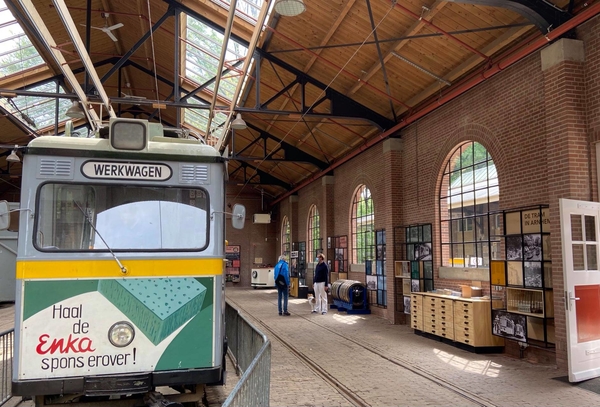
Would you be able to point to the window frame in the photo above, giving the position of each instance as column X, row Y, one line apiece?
column 363, row 241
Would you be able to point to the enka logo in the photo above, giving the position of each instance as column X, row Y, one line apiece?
column 95, row 169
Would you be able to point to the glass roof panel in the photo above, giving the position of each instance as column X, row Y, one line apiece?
column 245, row 9
column 203, row 50
column 17, row 52
column 38, row 112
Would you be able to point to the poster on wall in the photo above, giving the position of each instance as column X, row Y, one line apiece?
column 232, row 267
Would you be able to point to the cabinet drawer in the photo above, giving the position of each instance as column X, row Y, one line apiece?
column 446, row 333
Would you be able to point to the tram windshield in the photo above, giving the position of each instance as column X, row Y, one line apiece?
column 120, row 217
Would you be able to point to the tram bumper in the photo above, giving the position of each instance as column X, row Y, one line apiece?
column 107, row 385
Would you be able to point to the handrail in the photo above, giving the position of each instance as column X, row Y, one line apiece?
column 6, row 358
column 252, row 352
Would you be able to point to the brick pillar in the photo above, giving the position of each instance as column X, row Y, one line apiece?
column 391, row 212
column 327, row 217
column 293, row 216
column 567, row 152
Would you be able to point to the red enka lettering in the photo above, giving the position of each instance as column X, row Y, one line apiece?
column 72, row 345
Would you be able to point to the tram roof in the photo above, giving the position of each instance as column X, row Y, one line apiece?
column 156, row 145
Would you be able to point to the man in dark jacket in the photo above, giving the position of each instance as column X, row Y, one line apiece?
column 282, row 269
column 320, row 284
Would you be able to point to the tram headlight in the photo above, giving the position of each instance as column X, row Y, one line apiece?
column 121, row 334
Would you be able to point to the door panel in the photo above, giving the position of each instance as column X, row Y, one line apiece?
column 580, row 222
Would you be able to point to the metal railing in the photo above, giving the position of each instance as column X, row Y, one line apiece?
column 6, row 357
column 251, row 351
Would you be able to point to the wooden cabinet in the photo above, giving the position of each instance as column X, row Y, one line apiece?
column 416, row 307
column 464, row 320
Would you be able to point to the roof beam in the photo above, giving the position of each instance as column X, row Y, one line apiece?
column 341, row 105
column 544, row 15
column 265, row 178
column 291, row 153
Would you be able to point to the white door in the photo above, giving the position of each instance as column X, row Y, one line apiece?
column 580, row 222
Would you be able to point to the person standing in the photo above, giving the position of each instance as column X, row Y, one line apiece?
column 320, row 284
column 282, row 281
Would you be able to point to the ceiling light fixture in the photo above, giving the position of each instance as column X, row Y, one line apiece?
column 75, row 111
column 290, row 8
column 13, row 157
column 238, row 123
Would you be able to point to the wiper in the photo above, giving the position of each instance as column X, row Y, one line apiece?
column 123, row 268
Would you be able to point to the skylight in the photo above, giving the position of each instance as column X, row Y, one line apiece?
column 17, row 52
column 245, row 9
column 38, row 112
column 203, row 50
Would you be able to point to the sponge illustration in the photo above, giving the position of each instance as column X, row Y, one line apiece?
column 157, row 306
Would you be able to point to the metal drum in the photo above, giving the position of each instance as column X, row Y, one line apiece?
column 349, row 291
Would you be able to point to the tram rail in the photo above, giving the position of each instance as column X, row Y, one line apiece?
column 348, row 393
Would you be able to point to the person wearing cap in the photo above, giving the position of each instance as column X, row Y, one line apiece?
column 320, row 285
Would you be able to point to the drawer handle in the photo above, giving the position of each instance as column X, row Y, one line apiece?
column 466, row 341
column 466, row 317
column 466, row 334
column 466, row 329
column 443, row 312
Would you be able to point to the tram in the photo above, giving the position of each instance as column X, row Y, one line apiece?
column 120, row 267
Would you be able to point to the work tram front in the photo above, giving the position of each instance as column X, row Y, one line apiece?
column 120, row 270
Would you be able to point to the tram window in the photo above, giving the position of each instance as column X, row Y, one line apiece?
column 61, row 223
column 124, row 218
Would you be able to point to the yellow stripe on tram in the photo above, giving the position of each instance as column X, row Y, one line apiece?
column 58, row 269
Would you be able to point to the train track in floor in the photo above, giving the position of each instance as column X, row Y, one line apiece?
column 348, row 393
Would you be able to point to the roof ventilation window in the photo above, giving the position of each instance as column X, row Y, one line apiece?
column 17, row 53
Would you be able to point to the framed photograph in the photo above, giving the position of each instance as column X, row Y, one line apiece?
column 428, row 270
column 510, row 326
column 533, row 274
column 548, row 275
column 428, row 286
column 381, row 283
column 368, row 267
column 414, row 234
column 515, row 273
column 532, row 247
column 406, row 269
column 514, row 248
column 410, row 251
column 546, row 247
column 498, row 272
column 427, row 233
column 406, row 285
column 371, row 282
column 407, row 309
column 423, row 251
column 414, row 267
column 415, row 286
column 513, row 223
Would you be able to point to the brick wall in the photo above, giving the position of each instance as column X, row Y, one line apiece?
column 539, row 127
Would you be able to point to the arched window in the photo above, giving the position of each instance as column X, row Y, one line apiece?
column 468, row 197
column 285, row 237
column 314, row 233
column 362, row 226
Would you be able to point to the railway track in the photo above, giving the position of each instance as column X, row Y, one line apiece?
column 346, row 392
